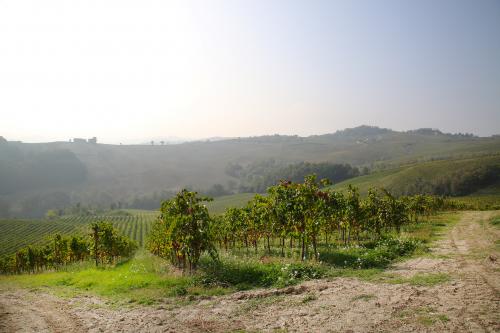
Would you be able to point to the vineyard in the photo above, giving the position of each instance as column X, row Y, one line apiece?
column 17, row 233
column 300, row 220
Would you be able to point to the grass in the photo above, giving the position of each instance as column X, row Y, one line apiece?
column 480, row 202
column 433, row 229
column 399, row 179
column 146, row 279
column 248, row 273
column 371, row 254
column 142, row 279
column 425, row 315
column 363, row 297
column 219, row 205
column 419, row 280
column 369, row 274
column 495, row 221
column 309, row 298
column 256, row 303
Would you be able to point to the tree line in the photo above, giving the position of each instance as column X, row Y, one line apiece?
column 292, row 215
column 257, row 177
column 103, row 245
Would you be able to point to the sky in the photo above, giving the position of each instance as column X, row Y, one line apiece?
column 129, row 71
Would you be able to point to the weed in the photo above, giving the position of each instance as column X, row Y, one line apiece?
column 363, row 297
column 420, row 279
column 495, row 221
column 309, row 298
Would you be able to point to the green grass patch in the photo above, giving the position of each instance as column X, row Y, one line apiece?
column 363, row 297
column 309, row 298
column 370, row 274
column 420, row 279
column 375, row 254
column 480, row 201
column 432, row 229
column 247, row 273
column 425, row 315
column 219, row 205
column 495, row 221
column 142, row 280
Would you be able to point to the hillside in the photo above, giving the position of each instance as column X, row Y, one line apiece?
column 456, row 177
column 102, row 175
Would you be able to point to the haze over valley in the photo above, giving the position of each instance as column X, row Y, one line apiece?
column 249, row 166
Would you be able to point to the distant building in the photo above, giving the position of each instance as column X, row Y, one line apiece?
column 80, row 140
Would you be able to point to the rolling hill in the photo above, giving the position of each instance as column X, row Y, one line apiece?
column 445, row 177
column 101, row 175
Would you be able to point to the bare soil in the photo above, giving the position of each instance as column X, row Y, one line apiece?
column 468, row 302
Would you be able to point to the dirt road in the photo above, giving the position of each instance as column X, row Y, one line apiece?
column 469, row 301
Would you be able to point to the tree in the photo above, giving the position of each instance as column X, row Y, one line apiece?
column 183, row 230
column 108, row 244
column 51, row 214
column 396, row 211
column 95, row 227
column 353, row 213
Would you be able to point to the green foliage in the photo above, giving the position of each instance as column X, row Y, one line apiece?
column 17, row 233
column 220, row 204
column 182, row 232
column 247, row 273
column 105, row 245
column 495, row 221
column 51, row 214
column 142, row 279
column 108, row 245
column 146, row 278
column 477, row 202
column 450, row 177
column 378, row 254
column 300, row 214
column 420, row 279
column 257, row 177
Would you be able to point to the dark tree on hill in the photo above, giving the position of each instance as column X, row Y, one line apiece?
column 259, row 176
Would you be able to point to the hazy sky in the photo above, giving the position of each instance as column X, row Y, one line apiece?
column 127, row 71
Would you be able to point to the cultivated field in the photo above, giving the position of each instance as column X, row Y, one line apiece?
column 17, row 233
column 453, row 288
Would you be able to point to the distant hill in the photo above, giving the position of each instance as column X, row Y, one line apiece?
column 100, row 174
